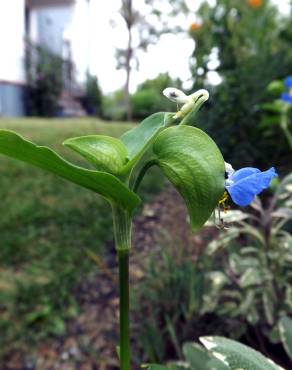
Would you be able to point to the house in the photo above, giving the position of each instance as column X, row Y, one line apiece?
column 55, row 24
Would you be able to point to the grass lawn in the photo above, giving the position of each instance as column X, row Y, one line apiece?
column 45, row 225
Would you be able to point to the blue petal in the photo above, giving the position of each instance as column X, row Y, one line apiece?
column 286, row 97
column 243, row 172
column 243, row 191
column 288, row 82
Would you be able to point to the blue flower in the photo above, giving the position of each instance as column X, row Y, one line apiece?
column 288, row 82
column 243, row 185
column 287, row 98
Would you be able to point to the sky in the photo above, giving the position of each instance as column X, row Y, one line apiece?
column 171, row 54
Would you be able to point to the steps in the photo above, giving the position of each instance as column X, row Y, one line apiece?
column 70, row 106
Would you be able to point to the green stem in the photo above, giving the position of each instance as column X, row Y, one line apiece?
column 124, row 310
column 284, row 126
column 122, row 230
column 288, row 137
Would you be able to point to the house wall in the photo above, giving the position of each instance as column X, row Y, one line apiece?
column 12, row 97
column 64, row 30
column 48, row 25
column 12, row 52
column 12, row 32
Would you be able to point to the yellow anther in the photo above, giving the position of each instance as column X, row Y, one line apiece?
column 223, row 200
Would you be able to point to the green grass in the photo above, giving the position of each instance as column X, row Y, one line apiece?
column 45, row 226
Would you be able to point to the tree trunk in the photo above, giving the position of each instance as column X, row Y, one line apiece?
column 128, row 16
column 128, row 73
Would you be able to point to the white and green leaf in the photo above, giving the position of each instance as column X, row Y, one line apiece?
column 199, row 359
column 285, row 329
column 237, row 355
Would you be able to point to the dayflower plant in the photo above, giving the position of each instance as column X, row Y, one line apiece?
column 187, row 156
column 287, row 96
column 281, row 107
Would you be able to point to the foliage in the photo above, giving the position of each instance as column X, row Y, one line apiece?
column 93, row 99
column 240, row 286
column 219, row 354
column 172, row 304
column 43, row 234
column 278, row 114
column 44, row 76
column 113, row 106
column 254, row 259
column 248, row 48
column 148, row 98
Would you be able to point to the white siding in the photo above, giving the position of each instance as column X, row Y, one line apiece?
column 48, row 25
column 12, row 31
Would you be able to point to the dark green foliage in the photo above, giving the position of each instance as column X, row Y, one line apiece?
column 148, row 98
column 252, row 48
column 169, row 305
column 45, row 81
column 93, row 97
column 239, row 287
column 277, row 113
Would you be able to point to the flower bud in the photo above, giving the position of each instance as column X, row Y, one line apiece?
column 175, row 95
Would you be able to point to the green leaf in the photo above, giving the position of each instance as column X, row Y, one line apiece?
column 236, row 355
column 139, row 138
column 251, row 276
column 173, row 366
column 194, row 165
column 181, row 365
column 269, row 300
column 105, row 184
column 288, row 296
column 285, row 329
column 276, row 87
column 104, row 152
column 284, row 191
column 199, row 359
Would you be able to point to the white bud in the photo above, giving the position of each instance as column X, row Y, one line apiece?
column 176, row 95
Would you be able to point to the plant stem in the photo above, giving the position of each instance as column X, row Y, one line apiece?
column 284, row 126
column 122, row 230
column 124, row 310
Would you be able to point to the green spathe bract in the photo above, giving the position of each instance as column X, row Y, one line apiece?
column 186, row 155
column 192, row 162
column 103, row 152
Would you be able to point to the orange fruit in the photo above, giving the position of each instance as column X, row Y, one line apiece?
column 195, row 26
column 255, row 3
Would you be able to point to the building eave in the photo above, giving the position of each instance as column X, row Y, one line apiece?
column 45, row 3
column 14, row 83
